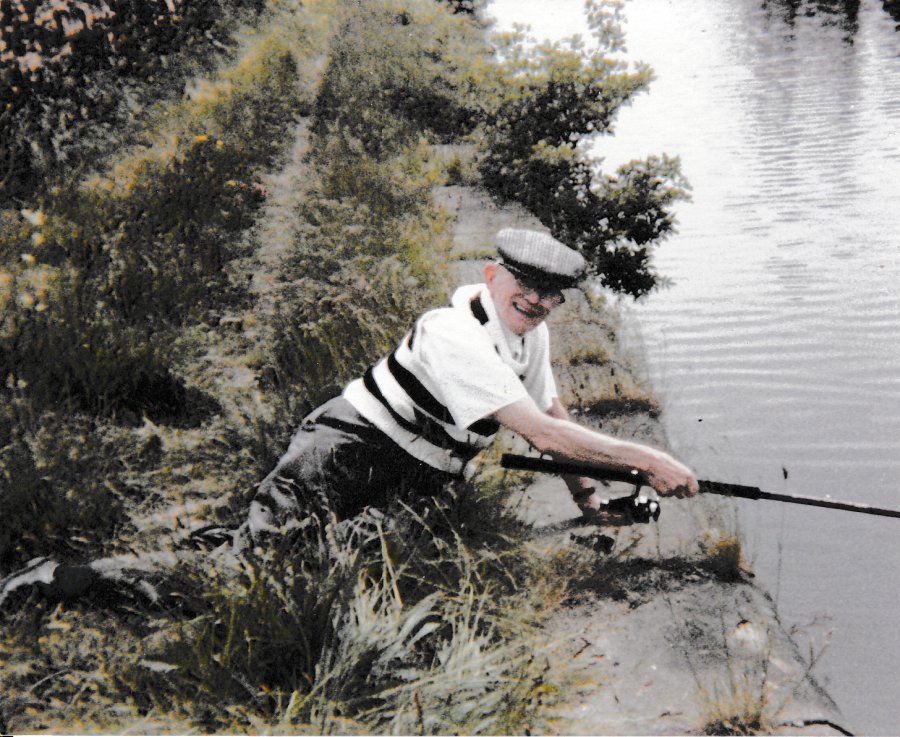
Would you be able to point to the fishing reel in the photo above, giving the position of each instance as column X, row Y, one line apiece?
column 639, row 507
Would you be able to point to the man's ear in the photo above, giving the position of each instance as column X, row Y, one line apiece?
column 490, row 271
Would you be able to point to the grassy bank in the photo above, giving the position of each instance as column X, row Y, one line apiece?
column 150, row 376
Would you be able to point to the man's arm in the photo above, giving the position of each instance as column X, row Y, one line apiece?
column 564, row 440
column 581, row 487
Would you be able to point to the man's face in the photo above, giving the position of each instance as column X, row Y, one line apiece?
column 521, row 305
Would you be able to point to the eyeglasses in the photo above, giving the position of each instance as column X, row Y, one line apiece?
column 542, row 289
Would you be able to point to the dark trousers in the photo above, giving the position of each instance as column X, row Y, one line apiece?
column 338, row 462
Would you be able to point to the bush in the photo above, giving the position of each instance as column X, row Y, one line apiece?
column 545, row 101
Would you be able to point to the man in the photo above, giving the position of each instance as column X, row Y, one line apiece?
column 418, row 416
column 416, row 419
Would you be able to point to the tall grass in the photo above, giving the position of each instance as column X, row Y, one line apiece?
column 73, row 69
column 98, row 278
column 425, row 622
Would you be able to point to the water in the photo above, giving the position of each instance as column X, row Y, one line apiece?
column 777, row 349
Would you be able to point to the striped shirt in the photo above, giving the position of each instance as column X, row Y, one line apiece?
column 435, row 393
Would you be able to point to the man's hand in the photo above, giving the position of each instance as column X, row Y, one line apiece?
column 669, row 477
column 565, row 440
column 596, row 510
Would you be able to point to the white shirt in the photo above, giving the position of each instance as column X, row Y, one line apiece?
column 469, row 366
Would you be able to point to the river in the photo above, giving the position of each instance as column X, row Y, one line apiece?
column 776, row 350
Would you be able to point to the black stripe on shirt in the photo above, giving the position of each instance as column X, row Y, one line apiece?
column 478, row 309
column 417, row 391
column 370, row 384
column 426, row 400
column 436, row 435
column 427, row 428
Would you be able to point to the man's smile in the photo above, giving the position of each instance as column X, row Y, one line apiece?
column 530, row 312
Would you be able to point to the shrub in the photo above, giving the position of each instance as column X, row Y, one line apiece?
column 546, row 100
column 252, row 105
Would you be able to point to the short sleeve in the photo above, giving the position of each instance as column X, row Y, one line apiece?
column 462, row 368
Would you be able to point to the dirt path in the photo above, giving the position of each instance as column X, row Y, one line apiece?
column 278, row 221
column 229, row 357
column 273, row 238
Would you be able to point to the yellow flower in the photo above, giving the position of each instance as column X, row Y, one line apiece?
column 28, row 259
column 38, row 239
column 231, row 183
column 25, row 300
column 35, row 217
column 201, row 138
column 220, row 144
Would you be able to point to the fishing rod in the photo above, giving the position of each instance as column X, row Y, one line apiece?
column 546, row 465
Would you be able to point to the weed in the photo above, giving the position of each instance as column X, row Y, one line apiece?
column 425, row 622
column 364, row 265
column 66, row 66
column 725, row 557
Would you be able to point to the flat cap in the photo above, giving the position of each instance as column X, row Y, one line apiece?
column 540, row 257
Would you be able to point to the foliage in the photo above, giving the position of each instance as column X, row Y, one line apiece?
column 58, row 483
column 364, row 266
column 102, row 268
column 404, row 625
column 428, row 621
column 469, row 7
column 392, row 77
column 63, row 66
column 549, row 98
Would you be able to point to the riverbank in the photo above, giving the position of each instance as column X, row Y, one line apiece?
column 671, row 636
